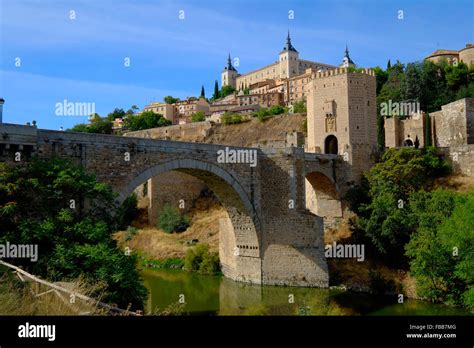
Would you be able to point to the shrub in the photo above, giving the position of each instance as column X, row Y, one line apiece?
column 262, row 114
column 199, row 259
column 277, row 110
column 171, row 220
column 131, row 231
column 299, row 107
column 198, row 117
column 128, row 211
column 229, row 118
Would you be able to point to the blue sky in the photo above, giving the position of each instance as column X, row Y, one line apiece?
column 82, row 60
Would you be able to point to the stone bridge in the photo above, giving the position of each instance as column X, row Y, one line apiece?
column 275, row 232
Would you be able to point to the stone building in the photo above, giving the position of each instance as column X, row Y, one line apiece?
column 342, row 117
column 265, row 100
column 405, row 132
column 454, row 124
column 465, row 55
column 288, row 65
column 167, row 110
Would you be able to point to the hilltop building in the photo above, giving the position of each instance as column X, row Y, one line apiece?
column 465, row 55
column 287, row 66
column 181, row 111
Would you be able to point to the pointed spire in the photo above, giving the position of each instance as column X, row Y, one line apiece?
column 289, row 46
column 347, row 61
column 229, row 64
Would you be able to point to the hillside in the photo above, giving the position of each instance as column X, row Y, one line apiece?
column 248, row 133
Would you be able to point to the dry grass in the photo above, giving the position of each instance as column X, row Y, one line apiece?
column 157, row 244
column 18, row 298
column 456, row 182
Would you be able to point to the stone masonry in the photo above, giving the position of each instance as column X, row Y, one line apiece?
column 270, row 237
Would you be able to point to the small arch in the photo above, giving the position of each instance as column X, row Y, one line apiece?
column 322, row 197
column 330, row 145
column 408, row 143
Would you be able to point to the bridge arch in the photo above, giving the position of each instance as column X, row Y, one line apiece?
column 322, row 197
column 240, row 241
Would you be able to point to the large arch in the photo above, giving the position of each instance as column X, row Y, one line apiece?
column 322, row 197
column 240, row 235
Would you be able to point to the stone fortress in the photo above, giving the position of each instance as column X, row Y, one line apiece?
column 283, row 83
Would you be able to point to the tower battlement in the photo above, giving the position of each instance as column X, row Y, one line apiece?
column 341, row 71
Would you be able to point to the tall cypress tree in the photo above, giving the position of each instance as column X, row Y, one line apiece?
column 389, row 64
column 381, row 133
column 427, row 130
column 216, row 90
column 203, row 95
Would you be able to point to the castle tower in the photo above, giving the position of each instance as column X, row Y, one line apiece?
column 288, row 59
column 342, row 117
column 347, row 61
column 229, row 74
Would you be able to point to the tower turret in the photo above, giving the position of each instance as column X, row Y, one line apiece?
column 229, row 74
column 347, row 61
column 288, row 59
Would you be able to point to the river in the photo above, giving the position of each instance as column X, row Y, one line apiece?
column 217, row 295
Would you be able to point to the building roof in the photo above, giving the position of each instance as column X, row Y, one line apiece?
column 229, row 65
column 346, row 55
column 467, row 47
column 442, row 52
column 289, row 46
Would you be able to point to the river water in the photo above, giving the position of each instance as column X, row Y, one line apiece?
column 217, row 295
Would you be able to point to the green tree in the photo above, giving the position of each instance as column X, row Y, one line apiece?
column 427, row 130
column 198, row 116
column 442, row 249
column 412, row 84
column 385, row 219
column 216, row 91
column 145, row 120
column 277, row 110
column 226, row 90
column 199, row 259
column 203, row 94
column 117, row 113
column 97, row 124
column 299, row 107
column 170, row 100
column 171, row 220
column 71, row 217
